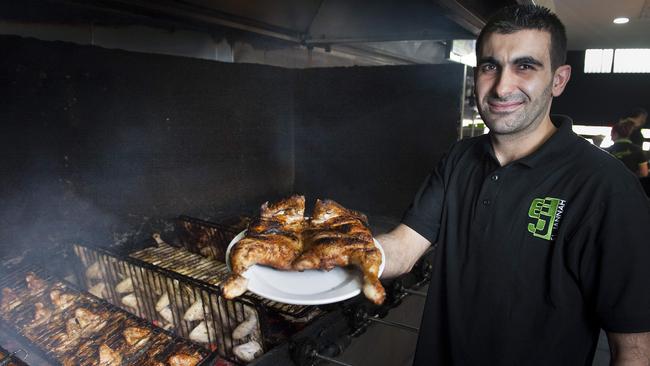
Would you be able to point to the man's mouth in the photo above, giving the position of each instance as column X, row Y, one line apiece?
column 504, row 107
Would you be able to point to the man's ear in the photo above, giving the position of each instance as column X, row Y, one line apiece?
column 560, row 79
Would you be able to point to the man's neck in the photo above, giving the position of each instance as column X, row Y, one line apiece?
column 508, row 148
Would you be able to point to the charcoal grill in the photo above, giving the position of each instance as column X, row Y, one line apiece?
column 53, row 340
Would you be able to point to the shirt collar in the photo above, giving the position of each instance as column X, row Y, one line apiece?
column 555, row 146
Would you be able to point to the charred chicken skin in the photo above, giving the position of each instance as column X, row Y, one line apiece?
column 341, row 237
column 183, row 359
column 9, row 300
column 108, row 357
column 273, row 240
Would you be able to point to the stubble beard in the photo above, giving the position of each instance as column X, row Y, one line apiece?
column 520, row 122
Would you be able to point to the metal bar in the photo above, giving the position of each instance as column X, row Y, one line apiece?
column 416, row 293
column 330, row 360
column 395, row 324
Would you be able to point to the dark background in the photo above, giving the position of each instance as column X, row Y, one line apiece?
column 105, row 146
column 601, row 99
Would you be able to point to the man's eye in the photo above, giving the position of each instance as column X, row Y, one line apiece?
column 488, row 67
column 526, row 67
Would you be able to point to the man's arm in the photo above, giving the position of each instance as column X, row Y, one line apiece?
column 629, row 349
column 403, row 247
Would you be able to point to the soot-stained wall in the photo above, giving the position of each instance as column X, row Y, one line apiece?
column 104, row 146
column 93, row 140
column 367, row 137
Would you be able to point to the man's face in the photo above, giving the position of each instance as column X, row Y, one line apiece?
column 514, row 81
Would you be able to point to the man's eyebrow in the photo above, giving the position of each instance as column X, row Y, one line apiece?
column 488, row 60
column 527, row 60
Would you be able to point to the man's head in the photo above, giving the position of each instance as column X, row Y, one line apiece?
column 638, row 116
column 622, row 130
column 520, row 68
column 511, row 19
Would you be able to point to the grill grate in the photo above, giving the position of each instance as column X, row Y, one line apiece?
column 79, row 328
column 191, row 309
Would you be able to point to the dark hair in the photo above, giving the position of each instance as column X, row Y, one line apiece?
column 623, row 129
column 637, row 112
column 514, row 18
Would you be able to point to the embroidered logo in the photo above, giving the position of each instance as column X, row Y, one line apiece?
column 546, row 214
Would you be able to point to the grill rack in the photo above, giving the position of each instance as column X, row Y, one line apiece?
column 196, row 235
column 214, row 320
column 48, row 337
column 9, row 359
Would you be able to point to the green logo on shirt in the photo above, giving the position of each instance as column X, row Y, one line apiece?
column 546, row 213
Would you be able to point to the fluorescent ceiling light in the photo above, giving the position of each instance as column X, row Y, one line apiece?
column 621, row 20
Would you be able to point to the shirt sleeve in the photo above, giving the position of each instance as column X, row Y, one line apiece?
column 615, row 262
column 425, row 211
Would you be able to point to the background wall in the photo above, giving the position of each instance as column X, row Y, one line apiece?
column 94, row 140
column 601, row 99
column 105, row 146
column 367, row 137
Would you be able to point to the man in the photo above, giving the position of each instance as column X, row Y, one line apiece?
column 639, row 117
column 542, row 237
column 624, row 150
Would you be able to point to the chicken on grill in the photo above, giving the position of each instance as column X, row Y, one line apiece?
column 34, row 283
column 184, row 359
column 108, row 357
column 61, row 299
column 340, row 237
column 273, row 240
column 136, row 336
column 9, row 300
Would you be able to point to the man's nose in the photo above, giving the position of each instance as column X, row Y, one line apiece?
column 505, row 83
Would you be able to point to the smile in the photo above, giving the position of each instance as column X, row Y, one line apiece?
column 505, row 107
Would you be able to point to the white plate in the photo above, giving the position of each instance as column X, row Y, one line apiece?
column 310, row 287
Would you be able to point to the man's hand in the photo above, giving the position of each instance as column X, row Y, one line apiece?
column 629, row 349
column 403, row 247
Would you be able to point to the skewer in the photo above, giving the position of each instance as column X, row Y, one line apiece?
column 395, row 324
column 329, row 359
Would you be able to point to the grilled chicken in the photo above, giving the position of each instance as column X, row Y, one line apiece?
column 41, row 314
column 272, row 240
column 136, row 335
column 88, row 321
column 61, row 299
column 73, row 329
column 166, row 313
column 108, row 357
column 34, row 283
column 183, row 359
column 340, row 237
column 9, row 300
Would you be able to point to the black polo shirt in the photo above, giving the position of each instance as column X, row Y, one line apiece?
column 631, row 155
column 533, row 257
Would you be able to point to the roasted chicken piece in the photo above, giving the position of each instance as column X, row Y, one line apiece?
column 34, row 283
column 136, row 335
column 341, row 237
column 88, row 321
column 273, row 240
column 108, row 357
column 184, row 359
column 9, row 300
column 61, row 299
column 41, row 314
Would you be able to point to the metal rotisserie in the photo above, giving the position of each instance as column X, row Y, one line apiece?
column 71, row 327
